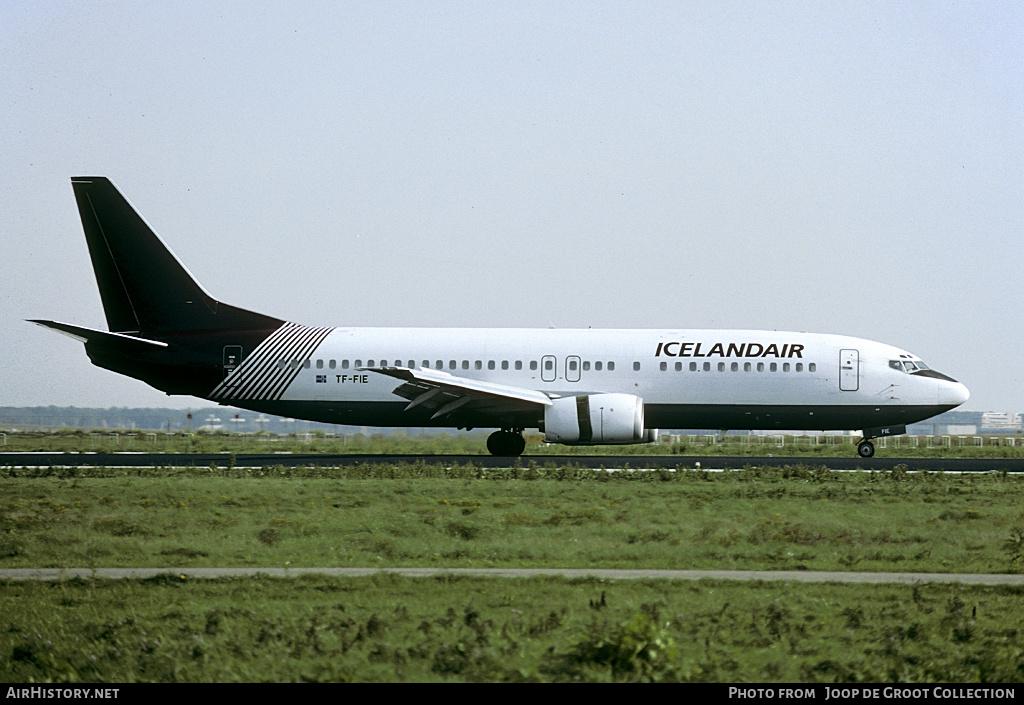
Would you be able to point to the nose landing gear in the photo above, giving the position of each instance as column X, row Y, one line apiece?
column 866, row 448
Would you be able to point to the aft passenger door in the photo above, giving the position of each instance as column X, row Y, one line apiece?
column 849, row 370
column 572, row 368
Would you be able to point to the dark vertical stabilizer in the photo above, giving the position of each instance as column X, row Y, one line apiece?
column 144, row 288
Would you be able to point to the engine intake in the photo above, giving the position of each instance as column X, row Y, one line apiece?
column 597, row 419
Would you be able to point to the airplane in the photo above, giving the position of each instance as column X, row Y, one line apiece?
column 577, row 387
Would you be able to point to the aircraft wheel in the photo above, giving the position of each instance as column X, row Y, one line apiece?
column 506, row 443
column 517, row 443
column 866, row 449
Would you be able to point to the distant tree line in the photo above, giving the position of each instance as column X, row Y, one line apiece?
column 157, row 419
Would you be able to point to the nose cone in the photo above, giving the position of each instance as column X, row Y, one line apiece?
column 953, row 394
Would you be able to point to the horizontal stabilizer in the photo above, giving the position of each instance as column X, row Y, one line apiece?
column 89, row 335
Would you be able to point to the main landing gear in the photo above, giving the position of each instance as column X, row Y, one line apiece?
column 508, row 443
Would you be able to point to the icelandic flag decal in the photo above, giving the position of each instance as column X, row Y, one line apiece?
column 321, row 379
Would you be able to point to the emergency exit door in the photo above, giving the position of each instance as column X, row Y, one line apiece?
column 232, row 358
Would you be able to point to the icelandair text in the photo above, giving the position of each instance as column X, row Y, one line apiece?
column 681, row 349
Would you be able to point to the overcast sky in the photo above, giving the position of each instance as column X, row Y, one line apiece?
column 851, row 167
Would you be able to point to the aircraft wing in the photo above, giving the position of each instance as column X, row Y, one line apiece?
column 447, row 394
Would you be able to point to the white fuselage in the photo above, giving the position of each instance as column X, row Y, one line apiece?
column 686, row 378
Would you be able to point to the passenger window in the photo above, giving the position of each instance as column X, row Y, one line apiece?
column 478, row 365
column 344, row 364
column 707, row 366
column 760, row 367
column 359, row 363
column 611, row 366
column 307, row 363
column 679, row 367
column 664, row 366
column 693, row 367
column 533, row 365
column 333, row 364
column 452, row 365
column 597, row 366
column 735, row 367
column 746, row 367
column 799, row 367
column 490, row 364
column 721, row 367
column 465, row 364
column 636, row 366
column 504, row 364
column 586, row 365
column 785, row 367
column 811, row 367
column 774, row 367
column 519, row 364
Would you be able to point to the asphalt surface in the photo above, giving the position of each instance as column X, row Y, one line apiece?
column 603, row 574
column 488, row 461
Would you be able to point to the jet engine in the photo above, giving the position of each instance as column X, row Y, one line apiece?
column 597, row 419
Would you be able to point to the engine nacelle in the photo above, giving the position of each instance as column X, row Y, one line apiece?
column 597, row 419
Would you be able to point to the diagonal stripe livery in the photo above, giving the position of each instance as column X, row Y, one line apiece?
column 266, row 374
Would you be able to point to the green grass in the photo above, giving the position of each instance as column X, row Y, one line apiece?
column 393, row 628
column 794, row 518
column 396, row 628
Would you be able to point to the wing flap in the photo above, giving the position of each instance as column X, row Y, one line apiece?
column 446, row 394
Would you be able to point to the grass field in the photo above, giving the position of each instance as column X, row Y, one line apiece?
column 800, row 517
column 391, row 628
column 397, row 628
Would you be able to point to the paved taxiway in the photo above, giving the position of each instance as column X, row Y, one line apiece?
column 489, row 461
column 603, row 574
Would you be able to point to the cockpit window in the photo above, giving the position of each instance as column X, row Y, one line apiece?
column 916, row 367
column 908, row 365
